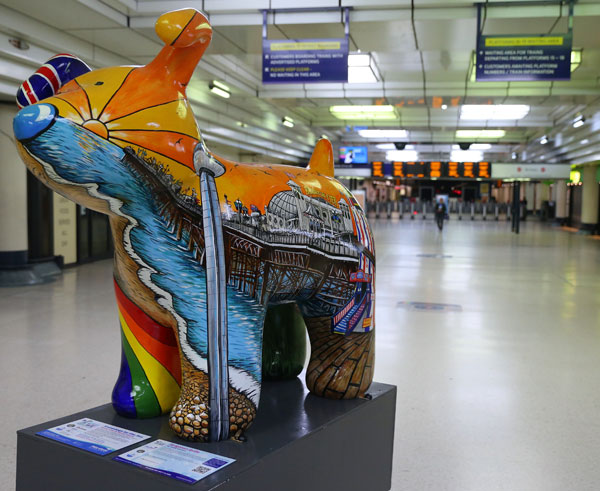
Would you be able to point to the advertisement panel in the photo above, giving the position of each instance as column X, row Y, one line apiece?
column 354, row 155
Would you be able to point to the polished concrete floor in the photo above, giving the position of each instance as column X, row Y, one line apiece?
column 497, row 390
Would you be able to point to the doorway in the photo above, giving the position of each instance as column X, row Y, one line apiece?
column 94, row 238
column 40, row 223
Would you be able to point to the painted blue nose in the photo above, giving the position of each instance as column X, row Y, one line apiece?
column 33, row 120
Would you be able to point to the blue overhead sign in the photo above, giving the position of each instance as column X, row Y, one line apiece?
column 523, row 58
column 305, row 61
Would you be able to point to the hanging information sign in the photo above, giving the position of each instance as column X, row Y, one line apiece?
column 523, row 58
column 305, row 61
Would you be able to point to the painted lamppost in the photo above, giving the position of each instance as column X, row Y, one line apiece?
column 207, row 167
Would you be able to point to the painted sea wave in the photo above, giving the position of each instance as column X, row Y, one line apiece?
column 74, row 155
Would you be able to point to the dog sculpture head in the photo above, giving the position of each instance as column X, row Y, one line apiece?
column 106, row 110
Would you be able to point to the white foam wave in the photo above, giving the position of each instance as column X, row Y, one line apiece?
column 241, row 380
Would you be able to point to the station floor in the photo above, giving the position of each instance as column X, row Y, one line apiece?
column 498, row 389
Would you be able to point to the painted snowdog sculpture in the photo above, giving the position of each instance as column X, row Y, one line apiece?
column 203, row 245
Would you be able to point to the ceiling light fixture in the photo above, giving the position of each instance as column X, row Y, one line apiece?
column 472, row 146
column 220, row 89
column 514, row 155
column 466, row 155
column 402, row 155
column 383, row 133
column 361, row 69
column 578, row 121
column 287, row 121
column 386, row 146
column 480, row 133
column 544, row 140
column 363, row 112
column 494, row 111
column 19, row 44
column 444, row 107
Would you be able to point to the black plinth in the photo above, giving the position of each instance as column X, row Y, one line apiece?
column 298, row 442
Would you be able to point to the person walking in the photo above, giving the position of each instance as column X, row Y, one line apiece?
column 440, row 213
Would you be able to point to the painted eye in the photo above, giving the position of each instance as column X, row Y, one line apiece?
column 99, row 83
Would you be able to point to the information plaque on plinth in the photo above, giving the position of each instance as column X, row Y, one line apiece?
column 298, row 442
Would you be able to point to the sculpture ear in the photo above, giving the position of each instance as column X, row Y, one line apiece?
column 183, row 28
column 49, row 78
column 322, row 159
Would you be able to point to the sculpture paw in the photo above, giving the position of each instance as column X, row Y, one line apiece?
column 189, row 419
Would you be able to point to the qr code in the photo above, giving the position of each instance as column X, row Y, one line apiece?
column 202, row 470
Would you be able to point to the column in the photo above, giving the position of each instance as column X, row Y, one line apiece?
column 542, row 194
column 507, row 196
column 13, row 195
column 589, row 201
column 530, row 196
column 560, row 188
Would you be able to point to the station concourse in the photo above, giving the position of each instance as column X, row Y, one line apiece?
column 488, row 328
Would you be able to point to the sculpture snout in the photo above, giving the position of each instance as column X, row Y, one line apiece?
column 33, row 120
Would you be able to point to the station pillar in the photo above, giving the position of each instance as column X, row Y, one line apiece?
column 589, row 201
column 561, row 201
column 13, row 195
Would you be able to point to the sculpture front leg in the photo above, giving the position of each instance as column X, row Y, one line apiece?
column 150, row 374
column 190, row 416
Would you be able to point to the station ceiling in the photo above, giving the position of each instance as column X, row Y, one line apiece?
column 422, row 50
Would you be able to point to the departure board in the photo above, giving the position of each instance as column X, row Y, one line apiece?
column 428, row 170
column 377, row 169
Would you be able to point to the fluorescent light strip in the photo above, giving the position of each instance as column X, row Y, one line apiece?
column 402, row 155
column 466, row 156
column 363, row 112
column 383, row 133
column 493, row 111
column 480, row 133
column 219, row 89
column 220, row 92
column 221, row 85
column 364, row 109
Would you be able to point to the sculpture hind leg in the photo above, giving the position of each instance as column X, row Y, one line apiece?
column 341, row 366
